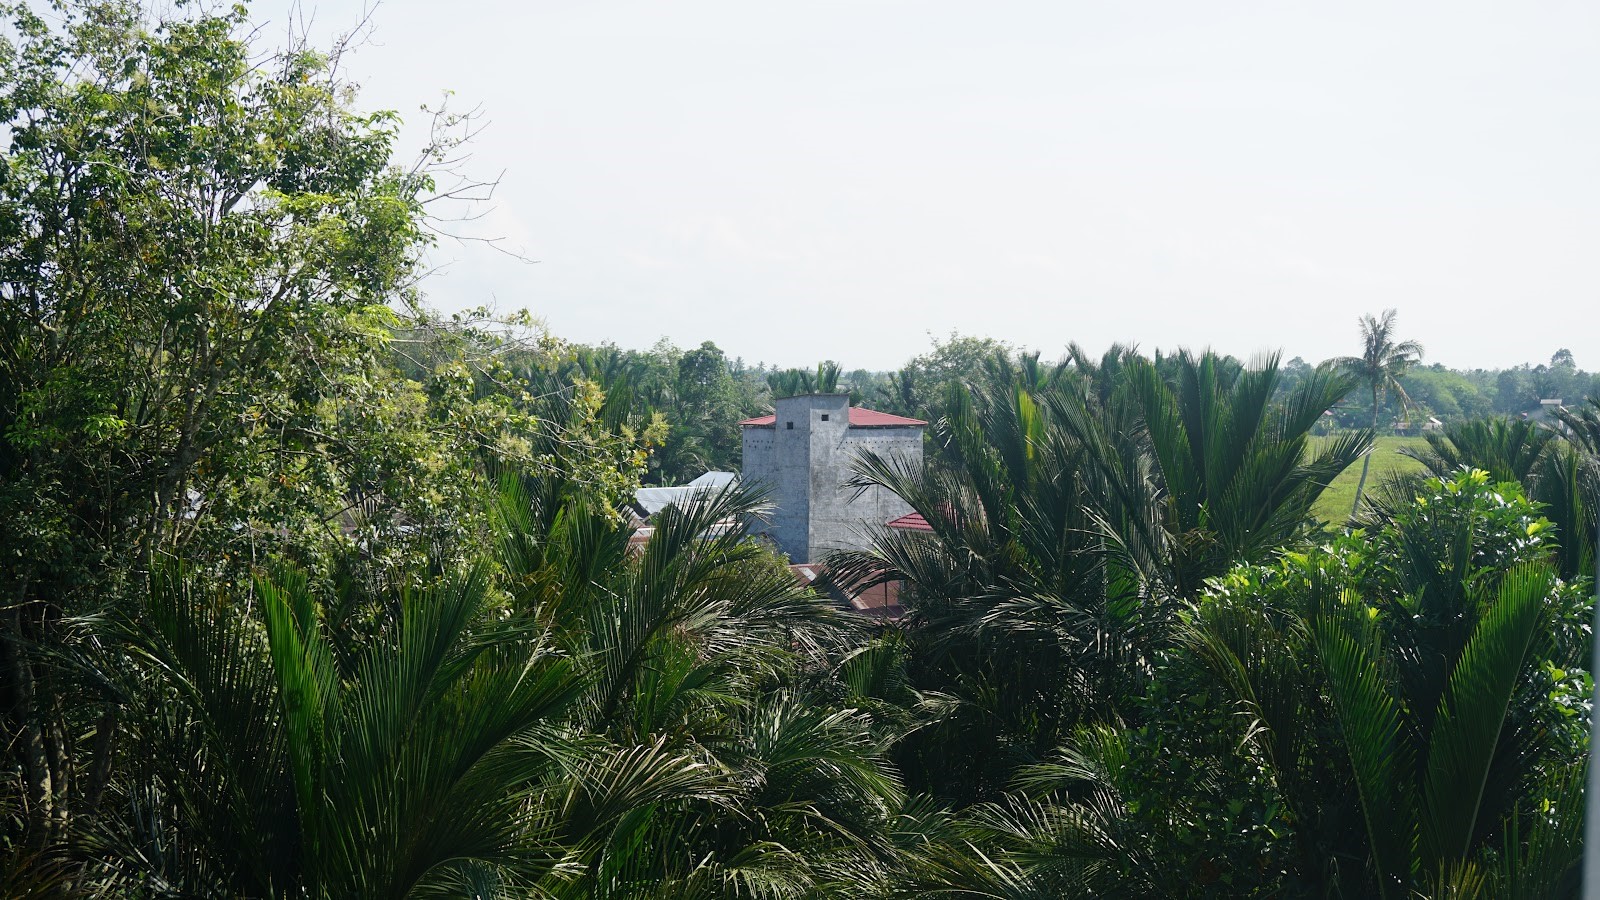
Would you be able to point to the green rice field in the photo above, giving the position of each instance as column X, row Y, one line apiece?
column 1334, row 504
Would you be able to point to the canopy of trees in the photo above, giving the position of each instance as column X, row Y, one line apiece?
column 311, row 592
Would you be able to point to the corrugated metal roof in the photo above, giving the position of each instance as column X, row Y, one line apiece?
column 654, row 499
column 859, row 418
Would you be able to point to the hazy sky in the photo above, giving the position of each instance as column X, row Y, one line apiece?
column 812, row 180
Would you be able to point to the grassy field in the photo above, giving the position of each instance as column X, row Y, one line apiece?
column 1334, row 505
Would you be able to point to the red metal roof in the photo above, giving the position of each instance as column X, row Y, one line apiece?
column 880, row 601
column 912, row 521
column 859, row 418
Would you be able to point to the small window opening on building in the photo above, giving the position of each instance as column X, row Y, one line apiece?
column 824, row 417
column 789, row 426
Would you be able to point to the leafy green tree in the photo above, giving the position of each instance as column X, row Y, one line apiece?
column 1428, row 671
column 579, row 719
column 686, row 404
column 953, row 361
column 1448, row 394
column 1290, row 373
column 198, row 249
column 1514, row 391
column 199, row 356
column 1383, row 360
column 314, row 593
column 1556, row 469
column 705, row 407
column 898, row 395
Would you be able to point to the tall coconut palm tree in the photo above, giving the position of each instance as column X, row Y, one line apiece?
column 827, row 379
column 899, row 396
column 1382, row 361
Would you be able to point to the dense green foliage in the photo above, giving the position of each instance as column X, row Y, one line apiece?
column 1410, row 690
column 309, row 592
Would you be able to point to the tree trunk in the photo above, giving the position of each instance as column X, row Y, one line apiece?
column 100, row 769
column 29, row 740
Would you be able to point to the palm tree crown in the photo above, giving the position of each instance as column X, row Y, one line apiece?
column 1381, row 363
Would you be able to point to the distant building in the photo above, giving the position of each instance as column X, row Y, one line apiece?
column 1546, row 412
column 651, row 500
column 804, row 453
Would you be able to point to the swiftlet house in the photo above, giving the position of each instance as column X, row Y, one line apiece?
column 804, row 453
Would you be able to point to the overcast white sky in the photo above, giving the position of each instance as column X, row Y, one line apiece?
column 809, row 180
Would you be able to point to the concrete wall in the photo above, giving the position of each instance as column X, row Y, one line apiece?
column 840, row 520
column 758, row 470
column 804, row 461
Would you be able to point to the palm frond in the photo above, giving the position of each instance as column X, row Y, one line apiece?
column 1370, row 719
column 1466, row 729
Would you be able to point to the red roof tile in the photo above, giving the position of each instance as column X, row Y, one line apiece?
column 912, row 521
column 859, row 418
column 871, row 418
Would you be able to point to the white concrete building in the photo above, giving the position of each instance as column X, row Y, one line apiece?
column 803, row 454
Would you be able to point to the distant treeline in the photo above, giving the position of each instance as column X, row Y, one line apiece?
column 701, row 394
